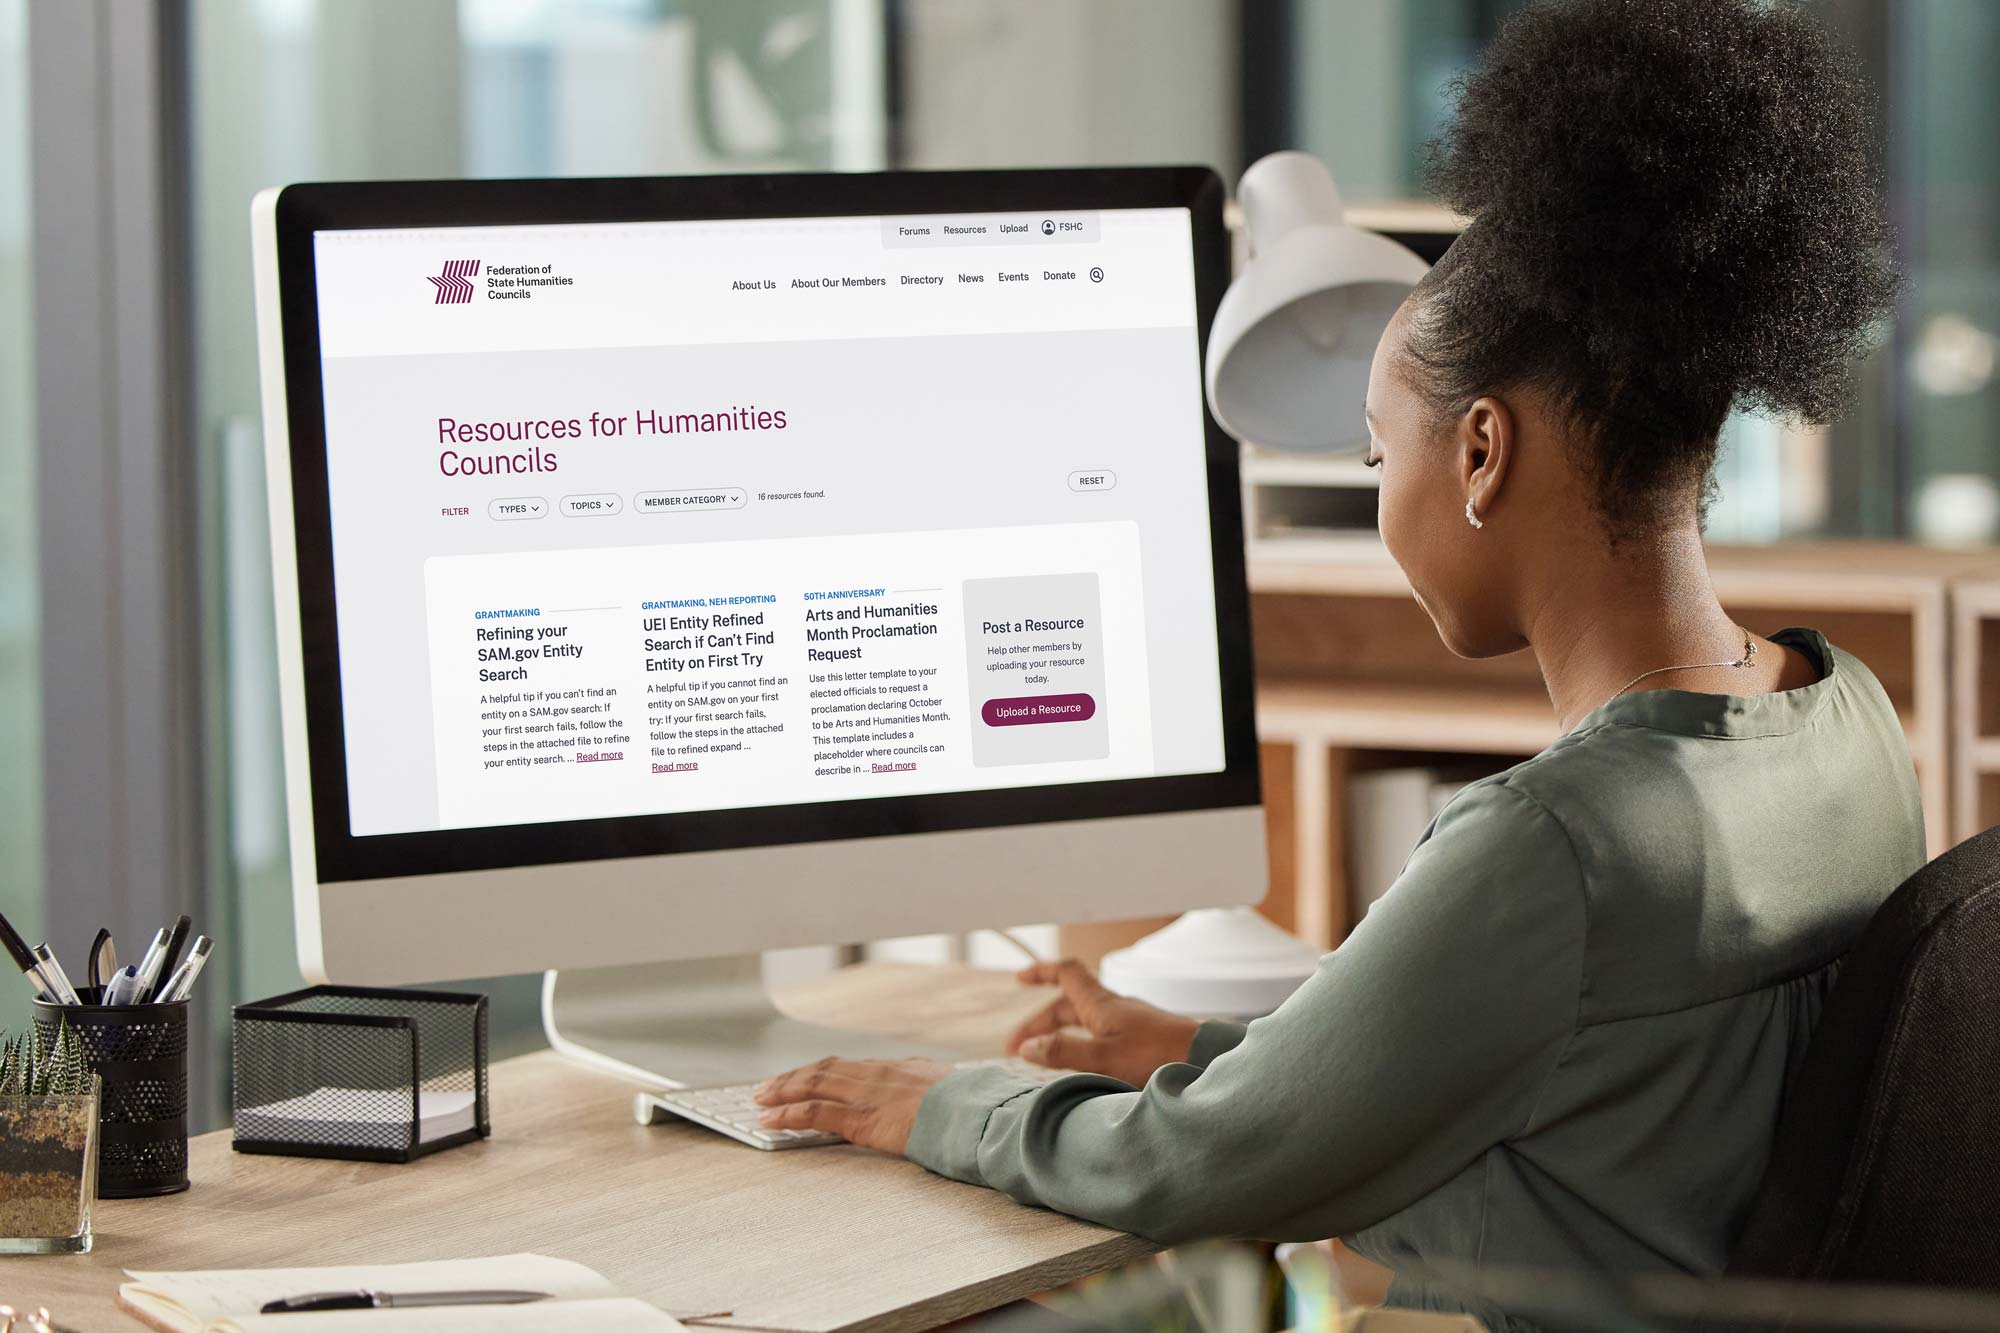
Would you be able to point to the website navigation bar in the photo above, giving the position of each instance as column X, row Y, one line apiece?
column 1013, row 229
column 1013, row 273
column 684, row 283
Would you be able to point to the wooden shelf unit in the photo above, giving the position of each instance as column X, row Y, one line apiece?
column 1351, row 674
column 1976, row 712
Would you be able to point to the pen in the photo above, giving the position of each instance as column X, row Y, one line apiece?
column 149, row 963
column 181, row 984
column 123, row 986
column 389, row 1300
column 24, row 957
column 171, row 957
column 54, row 980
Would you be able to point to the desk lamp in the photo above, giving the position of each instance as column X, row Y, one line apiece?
column 1288, row 359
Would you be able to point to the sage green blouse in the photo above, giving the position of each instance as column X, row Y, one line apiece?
column 1562, row 1038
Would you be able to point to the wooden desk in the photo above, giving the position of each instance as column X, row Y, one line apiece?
column 820, row 1239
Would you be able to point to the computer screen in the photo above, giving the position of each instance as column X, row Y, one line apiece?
column 718, row 531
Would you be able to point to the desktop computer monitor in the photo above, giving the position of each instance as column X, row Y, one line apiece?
column 682, row 568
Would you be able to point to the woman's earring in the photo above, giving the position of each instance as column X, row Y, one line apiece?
column 1471, row 517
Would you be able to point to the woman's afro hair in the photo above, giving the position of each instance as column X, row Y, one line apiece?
column 1674, row 212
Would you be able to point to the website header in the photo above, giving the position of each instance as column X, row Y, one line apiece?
column 488, row 289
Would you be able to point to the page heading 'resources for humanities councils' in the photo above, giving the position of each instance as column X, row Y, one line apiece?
column 646, row 518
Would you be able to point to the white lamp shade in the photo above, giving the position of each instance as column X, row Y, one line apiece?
column 1214, row 962
column 1292, row 341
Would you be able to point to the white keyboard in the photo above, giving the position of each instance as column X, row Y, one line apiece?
column 733, row 1111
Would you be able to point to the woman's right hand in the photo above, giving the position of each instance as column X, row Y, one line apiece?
column 1125, row 1038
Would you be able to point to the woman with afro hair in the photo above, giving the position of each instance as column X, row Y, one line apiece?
column 1561, row 1040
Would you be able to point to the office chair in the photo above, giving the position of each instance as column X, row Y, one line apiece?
column 1886, row 1164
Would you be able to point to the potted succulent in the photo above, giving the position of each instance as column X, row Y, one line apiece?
column 48, row 1143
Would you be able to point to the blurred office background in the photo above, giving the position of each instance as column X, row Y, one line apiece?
column 137, row 685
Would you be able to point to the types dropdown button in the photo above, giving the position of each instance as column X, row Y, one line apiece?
column 518, row 507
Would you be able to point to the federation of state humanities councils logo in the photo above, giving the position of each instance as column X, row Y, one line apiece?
column 454, row 283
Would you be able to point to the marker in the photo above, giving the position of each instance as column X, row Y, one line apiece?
column 149, row 964
column 123, row 986
column 181, row 983
column 176, row 941
column 54, row 980
column 24, row 957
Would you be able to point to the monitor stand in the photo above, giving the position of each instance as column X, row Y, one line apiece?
column 694, row 1024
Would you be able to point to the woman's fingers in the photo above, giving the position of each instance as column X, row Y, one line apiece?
column 1065, row 973
column 1078, row 986
column 827, row 1117
column 1064, row 1050
column 870, row 1102
column 1079, row 1005
column 831, row 1080
column 1057, row 1014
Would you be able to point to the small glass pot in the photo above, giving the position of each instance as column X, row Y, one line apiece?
column 48, row 1172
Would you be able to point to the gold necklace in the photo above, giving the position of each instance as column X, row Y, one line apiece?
column 1749, row 655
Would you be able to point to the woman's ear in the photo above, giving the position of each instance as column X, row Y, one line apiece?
column 1485, row 451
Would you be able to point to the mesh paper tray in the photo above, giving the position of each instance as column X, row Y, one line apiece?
column 355, row 1072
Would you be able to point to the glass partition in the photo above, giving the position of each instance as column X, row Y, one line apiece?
column 1917, row 456
column 295, row 90
column 20, row 677
column 1939, row 399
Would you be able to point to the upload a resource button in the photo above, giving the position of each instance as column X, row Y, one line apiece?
column 591, row 506
column 517, row 507
column 1038, row 708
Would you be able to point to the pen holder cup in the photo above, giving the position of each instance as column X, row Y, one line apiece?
column 139, row 1051
column 356, row 1072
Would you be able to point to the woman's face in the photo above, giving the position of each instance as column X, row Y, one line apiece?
column 1454, row 568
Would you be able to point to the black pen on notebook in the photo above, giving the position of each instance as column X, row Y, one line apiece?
column 392, row 1300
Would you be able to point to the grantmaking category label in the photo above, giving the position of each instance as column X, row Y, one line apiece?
column 613, row 681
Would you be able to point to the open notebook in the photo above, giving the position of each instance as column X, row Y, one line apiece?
column 228, row 1300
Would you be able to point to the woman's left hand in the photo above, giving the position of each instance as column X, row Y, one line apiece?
column 869, row 1102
